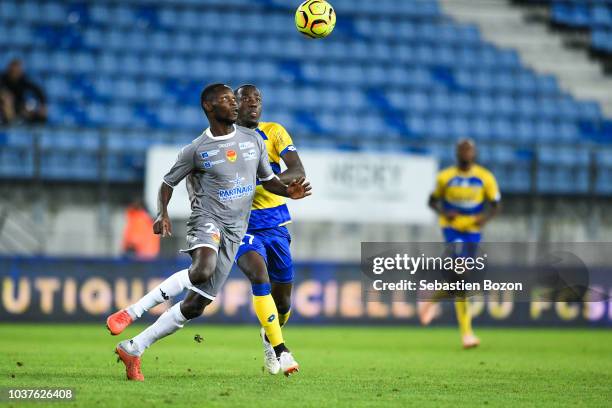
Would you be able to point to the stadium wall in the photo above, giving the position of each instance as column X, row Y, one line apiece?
column 61, row 220
column 87, row 290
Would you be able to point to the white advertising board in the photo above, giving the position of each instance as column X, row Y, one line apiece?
column 360, row 187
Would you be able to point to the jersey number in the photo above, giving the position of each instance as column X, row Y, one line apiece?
column 248, row 239
column 211, row 228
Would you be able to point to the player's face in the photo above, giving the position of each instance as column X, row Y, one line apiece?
column 466, row 153
column 15, row 70
column 225, row 106
column 249, row 107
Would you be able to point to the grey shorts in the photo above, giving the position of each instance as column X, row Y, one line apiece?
column 208, row 234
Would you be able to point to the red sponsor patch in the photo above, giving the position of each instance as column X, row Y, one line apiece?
column 231, row 155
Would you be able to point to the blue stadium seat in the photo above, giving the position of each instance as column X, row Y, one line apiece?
column 443, row 152
column 407, row 71
column 17, row 138
column 9, row 11
column 125, row 142
column 122, row 168
column 438, row 128
column 16, row 163
column 64, row 165
column 459, row 127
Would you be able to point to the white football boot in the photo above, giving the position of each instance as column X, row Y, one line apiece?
column 270, row 361
column 288, row 364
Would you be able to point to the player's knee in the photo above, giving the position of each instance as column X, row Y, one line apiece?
column 253, row 268
column 201, row 272
column 283, row 302
column 192, row 309
column 257, row 276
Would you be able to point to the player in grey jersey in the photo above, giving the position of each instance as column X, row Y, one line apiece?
column 221, row 167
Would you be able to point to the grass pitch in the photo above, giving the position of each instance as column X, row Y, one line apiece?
column 348, row 366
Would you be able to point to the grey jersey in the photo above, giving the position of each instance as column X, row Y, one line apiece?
column 221, row 176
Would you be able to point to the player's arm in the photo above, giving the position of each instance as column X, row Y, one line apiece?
column 283, row 144
column 162, row 224
column 298, row 188
column 295, row 168
column 435, row 204
column 435, row 199
column 185, row 164
column 494, row 208
column 493, row 196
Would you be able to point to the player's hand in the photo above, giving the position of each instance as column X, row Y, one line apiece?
column 451, row 214
column 163, row 226
column 299, row 188
column 480, row 221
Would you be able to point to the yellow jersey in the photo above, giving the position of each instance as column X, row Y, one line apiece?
column 270, row 210
column 465, row 192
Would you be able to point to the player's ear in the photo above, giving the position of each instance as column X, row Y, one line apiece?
column 207, row 107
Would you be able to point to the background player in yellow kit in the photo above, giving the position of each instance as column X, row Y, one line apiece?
column 461, row 195
column 264, row 254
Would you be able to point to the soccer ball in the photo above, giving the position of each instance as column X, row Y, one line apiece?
column 315, row 18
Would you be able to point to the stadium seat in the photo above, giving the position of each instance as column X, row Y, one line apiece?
column 135, row 68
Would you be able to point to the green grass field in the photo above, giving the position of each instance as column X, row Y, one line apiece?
column 356, row 366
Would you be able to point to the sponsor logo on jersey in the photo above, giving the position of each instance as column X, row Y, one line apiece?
column 216, row 236
column 210, row 153
column 236, row 192
column 209, row 164
column 231, row 155
column 250, row 155
column 291, row 148
column 246, row 145
column 224, row 145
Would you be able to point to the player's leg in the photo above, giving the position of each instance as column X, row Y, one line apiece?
column 201, row 269
column 281, row 293
column 464, row 318
column 173, row 319
column 253, row 266
column 251, row 259
column 280, row 269
column 429, row 309
column 468, row 243
column 261, row 301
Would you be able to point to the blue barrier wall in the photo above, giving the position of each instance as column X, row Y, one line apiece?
column 87, row 290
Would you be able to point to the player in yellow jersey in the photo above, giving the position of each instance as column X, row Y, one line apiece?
column 466, row 197
column 264, row 254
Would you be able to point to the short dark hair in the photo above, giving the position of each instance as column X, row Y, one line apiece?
column 241, row 87
column 466, row 140
column 209, row 92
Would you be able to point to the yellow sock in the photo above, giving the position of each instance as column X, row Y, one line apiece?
column 282, row 318
column 265, row 309
column 463, row 317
